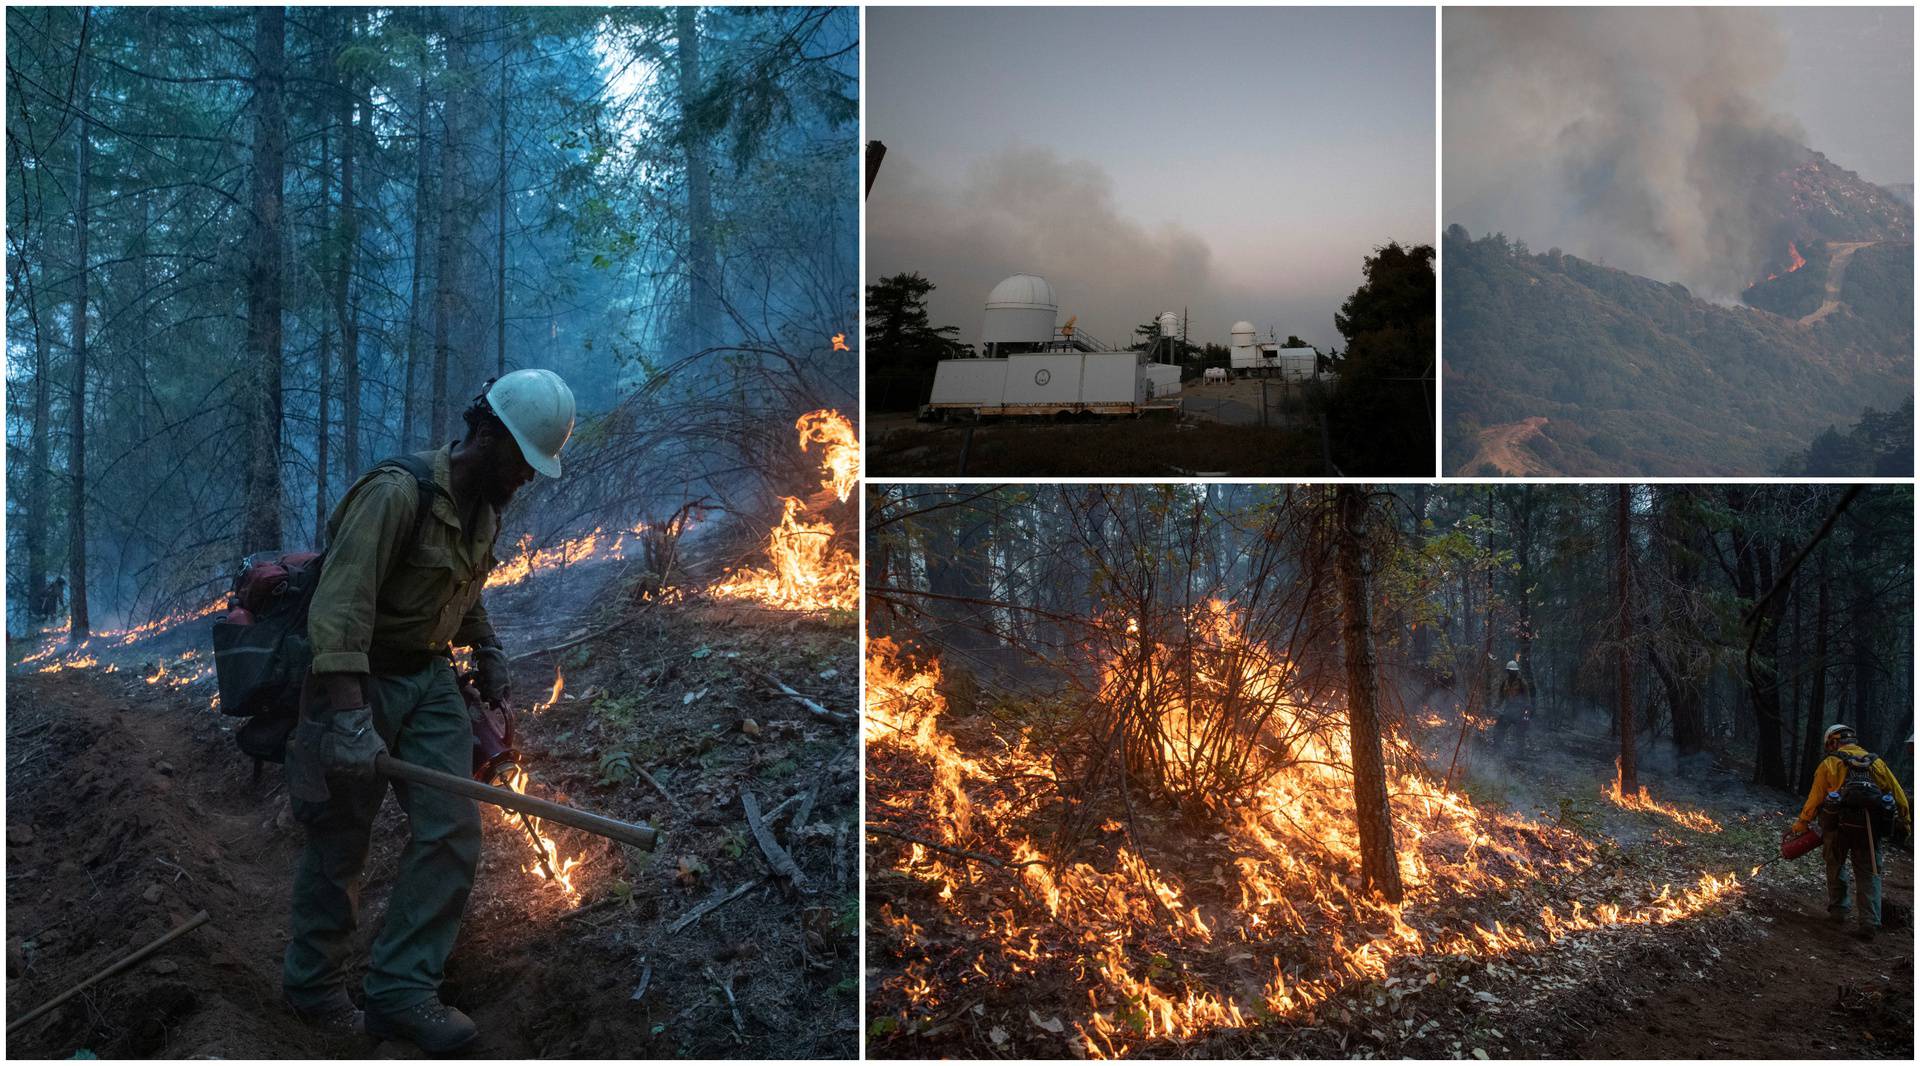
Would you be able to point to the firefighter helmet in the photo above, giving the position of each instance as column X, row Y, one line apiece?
column 537, row 408
column 1838, row 734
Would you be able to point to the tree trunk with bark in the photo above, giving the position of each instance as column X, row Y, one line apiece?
column 79, row 626
column 263, row 484
column 1379, row 862
column 1623, row 544
column 703, row 305
column 343, row 310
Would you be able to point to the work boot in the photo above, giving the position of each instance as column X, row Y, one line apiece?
column 335, row 1016
column 1866, row 933
column 432, row 1026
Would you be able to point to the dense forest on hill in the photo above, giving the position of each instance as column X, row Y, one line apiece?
column 1634, row 375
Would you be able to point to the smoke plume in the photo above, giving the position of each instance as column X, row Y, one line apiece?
column 1029, row 210
column 1634, row 136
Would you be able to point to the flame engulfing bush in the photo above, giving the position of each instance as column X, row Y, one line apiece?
column 1282, row 904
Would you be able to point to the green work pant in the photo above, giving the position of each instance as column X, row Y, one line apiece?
column 1855, row 847
column 423, row 720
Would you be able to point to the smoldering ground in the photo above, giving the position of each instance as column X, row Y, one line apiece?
column 1638, row 137
column 1028, row 209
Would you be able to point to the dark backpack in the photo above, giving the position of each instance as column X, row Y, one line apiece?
column 1860, row 789
column 261, row 652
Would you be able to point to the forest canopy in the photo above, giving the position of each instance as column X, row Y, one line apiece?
column 252, row 250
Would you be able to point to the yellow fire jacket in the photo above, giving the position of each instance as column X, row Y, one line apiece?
column 1832, row 773
column 381, row 589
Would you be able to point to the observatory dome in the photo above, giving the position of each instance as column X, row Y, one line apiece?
column 1020, row 310
column 1243, row 334
column 1029, row 291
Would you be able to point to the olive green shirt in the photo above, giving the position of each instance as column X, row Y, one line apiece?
column 380, row 589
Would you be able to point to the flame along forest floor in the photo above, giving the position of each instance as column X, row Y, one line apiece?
column 129, row 809
column 1760, row 975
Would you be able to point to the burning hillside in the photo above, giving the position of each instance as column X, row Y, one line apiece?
column 1161, row 930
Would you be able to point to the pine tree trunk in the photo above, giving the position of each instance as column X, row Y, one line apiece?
column 1623, row 543
column 703, row 306
column 323, row 423
column 1379, row 863
column 39, row 496
column 79, row 627
column 343, row 281
column 416, row 328
column 446, row 267
column 500, row 248
column 1816, row 719
column 263, row 485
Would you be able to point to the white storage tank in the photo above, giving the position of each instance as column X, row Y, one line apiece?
column 1020, row 310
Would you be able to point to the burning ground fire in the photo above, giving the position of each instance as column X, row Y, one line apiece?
column 1795, row 259
column 1291, row 915
column 808, row 571
column 547, row 865
column 1640, row 801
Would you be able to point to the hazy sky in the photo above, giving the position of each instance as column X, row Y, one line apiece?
column 1848, row 78
column 1238, row 162
column 1647, row 137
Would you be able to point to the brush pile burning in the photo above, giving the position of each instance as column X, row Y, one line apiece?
column 806, row 570
column 1171, row 921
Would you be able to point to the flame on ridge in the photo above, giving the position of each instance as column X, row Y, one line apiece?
column 806, row 571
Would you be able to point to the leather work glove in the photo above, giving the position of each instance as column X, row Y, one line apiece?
column 334, row 744
column 494, row 679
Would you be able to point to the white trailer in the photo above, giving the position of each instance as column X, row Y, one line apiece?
column 1164, row 378
column 968, row 383
column 1295, row 364
column 1048, row 385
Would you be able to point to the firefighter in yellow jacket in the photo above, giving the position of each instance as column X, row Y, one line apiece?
column 1859, row 802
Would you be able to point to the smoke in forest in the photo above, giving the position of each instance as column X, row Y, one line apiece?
column 1634, row 136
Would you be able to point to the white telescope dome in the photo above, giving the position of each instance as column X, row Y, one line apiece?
column 1020, row 310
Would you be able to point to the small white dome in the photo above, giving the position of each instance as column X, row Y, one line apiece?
column 1243, row 327
column 1023, row 291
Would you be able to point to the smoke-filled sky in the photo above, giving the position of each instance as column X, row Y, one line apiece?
column 1240, row 163
column 1640, row 136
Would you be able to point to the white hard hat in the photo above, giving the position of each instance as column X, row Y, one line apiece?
column 1514, row 665
column 537, row 408
column 1837, row 729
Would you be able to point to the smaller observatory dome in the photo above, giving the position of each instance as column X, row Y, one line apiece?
column 1242, row 334
column 1029, row 291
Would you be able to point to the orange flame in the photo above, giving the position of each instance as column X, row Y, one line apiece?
column 516, row 779
column 808, row 572
column 1793, row 252
column 840, row 342
column 839, row 449
column 1294, row 848
column 599, row 544
column 1641, row 801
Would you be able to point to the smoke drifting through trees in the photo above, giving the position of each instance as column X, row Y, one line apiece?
column 1635, row 137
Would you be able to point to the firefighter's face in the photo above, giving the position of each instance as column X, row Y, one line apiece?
column 507, row 469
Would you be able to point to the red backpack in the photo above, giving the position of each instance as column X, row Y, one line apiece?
column 261, row 652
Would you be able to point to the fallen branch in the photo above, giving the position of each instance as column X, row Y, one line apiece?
column 812, row 707
column 713, row 903
column 881, row 830
column 726, row 987
column 127, row 963
column 777, row 856
column 662, row 789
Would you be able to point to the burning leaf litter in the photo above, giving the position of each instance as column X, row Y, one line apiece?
column 1297, row 928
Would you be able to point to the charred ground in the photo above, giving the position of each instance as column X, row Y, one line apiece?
column 129, row 809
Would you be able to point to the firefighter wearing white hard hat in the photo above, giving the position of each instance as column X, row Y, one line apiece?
column 1860, row 804
column 1516, row 709
column 537, row 408
column 409, row 549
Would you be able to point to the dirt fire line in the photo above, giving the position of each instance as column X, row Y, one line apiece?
column 1288, row 873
